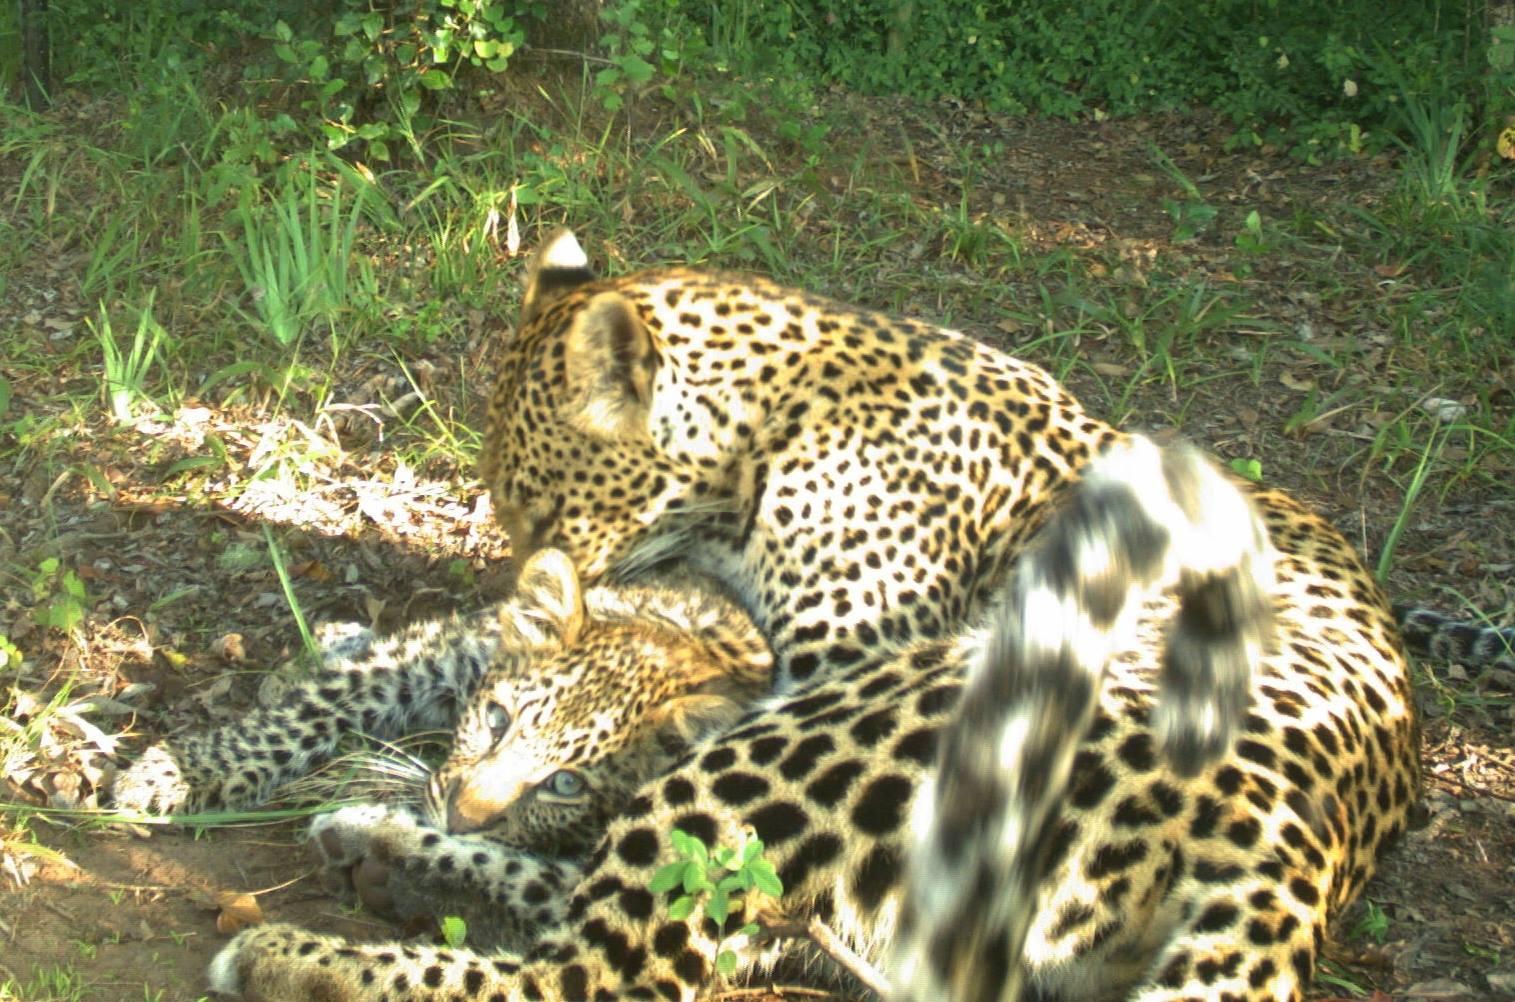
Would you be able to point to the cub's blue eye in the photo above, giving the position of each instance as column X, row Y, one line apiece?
column 564, row 783
column 497, row 719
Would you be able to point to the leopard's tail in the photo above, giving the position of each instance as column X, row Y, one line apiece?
column 1143, row 518
column 1431, row 634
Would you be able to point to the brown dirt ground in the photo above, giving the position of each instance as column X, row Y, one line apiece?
column 374, row 541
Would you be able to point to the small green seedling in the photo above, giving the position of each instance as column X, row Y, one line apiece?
column 1247, row 467
column 711, row 878
column 1374, row 924
column 454, row 931
column 60, row 596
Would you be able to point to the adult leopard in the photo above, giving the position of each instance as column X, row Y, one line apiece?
column 864, row 484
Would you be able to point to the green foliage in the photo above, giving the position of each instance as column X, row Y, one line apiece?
column 125, row 373
column 1434, row 443
column 1447, row 218
column 10, row 654
column 454, row 931
column 646, row 39
column 407, row 52
column 152, row 42
column 1374, row 924
column 276, row 556
column 1304, row 74
column 1248, row 467
column 1252, row 239
column 60, row 596
column 359, row 73
column 710, row 879
column 296, row 254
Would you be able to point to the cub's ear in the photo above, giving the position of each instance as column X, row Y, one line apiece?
column 685, row 719
column 610, row 362
column 558, row 266
column 548, row 597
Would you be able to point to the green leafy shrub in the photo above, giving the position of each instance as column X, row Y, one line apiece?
column 369, row 79
column 1305, row 74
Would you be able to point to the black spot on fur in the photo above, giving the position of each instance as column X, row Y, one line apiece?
column 815, row 853
column 701, row 826
column 719, row 759
column 1090, row 782
column 678, row 791
column 832, row 785
column 670, row 939
column 738, row 788
column 869, row 730
column 636, row 903
column 765, row 750
column 1217, row 918
column 918, row 746
column 801, row 761
column 881, row 807
column 778, row 822
column 875, row 878
column 638, row 847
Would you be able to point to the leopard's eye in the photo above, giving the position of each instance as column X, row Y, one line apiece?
column 497, row 719
column 564, row 783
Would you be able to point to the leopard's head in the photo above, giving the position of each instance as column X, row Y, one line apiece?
column 594, row 443
column 577, row 711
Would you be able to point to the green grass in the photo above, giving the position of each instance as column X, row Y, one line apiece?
column 250, row 277
column 53, row 984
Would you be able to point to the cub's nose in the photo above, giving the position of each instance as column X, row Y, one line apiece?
column 472, row 806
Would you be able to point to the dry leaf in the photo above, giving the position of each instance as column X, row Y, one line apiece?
column 1293, row 382
column 229, row 647
column 237, row 911
column 512, row 228
column 1444, row 410
column 315, row 570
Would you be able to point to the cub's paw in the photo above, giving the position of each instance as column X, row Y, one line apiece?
column 154, row 784
column 342, row 838
column 356, row 848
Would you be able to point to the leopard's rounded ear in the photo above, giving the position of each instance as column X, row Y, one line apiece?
column 558, row 266
column 611, row 362
column 691, row 716
column 548, row 593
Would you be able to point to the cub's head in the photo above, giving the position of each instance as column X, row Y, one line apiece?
column 591, row 444
column 588, row 700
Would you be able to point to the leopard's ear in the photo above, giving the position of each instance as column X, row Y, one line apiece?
column 685, row 719
column 558, row 266
column 713, row 700
column 549, row 596
column 610, row 363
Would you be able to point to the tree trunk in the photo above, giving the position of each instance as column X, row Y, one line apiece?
column 36, row 57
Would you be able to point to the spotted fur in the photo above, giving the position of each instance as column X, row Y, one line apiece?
column 986, row 824
column 562, row 700
column 866, row 486
column 1445, row 638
